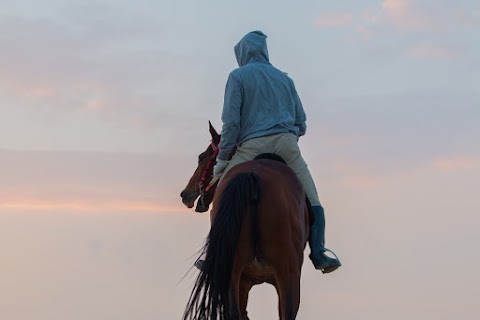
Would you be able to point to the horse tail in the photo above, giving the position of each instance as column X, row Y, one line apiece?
column 210, row 297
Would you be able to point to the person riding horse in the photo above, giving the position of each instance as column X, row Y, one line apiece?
column 262, row 113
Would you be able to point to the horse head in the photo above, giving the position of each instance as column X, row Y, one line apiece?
column 199, row 183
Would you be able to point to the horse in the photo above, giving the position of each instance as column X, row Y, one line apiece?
column 259, row 229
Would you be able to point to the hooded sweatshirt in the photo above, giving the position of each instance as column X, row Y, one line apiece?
column 260, row 100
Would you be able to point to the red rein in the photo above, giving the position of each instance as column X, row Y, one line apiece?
column 210, row 163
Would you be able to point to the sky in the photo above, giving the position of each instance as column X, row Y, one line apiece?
column 104, row 107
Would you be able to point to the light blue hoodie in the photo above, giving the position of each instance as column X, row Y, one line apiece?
column 260, row 100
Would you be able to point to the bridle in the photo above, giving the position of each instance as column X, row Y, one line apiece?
column 211, row 162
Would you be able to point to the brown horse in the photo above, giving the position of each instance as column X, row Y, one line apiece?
column 260, row 226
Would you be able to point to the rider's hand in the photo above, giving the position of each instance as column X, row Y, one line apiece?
column 219, row 168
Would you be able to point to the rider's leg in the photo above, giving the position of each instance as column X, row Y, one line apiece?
column 289, row 150
column 243, row 154
column 249, row 149
column 317, row 244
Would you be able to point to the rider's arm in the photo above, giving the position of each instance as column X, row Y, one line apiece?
column 230, row 117
column 300, row 117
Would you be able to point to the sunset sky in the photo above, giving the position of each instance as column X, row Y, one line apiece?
column 104, row 107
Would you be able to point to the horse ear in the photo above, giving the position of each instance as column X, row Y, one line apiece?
column 213, row 133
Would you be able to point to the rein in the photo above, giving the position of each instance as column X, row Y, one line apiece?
column 210, row 163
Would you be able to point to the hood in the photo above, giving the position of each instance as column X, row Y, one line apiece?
column 252, row 48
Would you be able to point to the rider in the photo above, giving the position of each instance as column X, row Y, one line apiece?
column 263, row 113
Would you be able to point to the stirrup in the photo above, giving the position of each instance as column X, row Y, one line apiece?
column 328, row 250
column 334, row 267
column 199, row 264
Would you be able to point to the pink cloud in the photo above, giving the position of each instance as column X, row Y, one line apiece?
column 435, row 51
column 91, row 182
column 40, row 92
column 403, row 16
column 332, row 20
column 355, row 175
column 418, row 16
column 86, row 205
column 456, row 163
column 406, row 15
column 89, row 71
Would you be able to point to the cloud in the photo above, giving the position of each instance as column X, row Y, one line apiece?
column 426, row 16
column 41, row 92
column 412, row 20
column 353, row 174
column 436, row 51
column 85, row 205
column 334, row 19
column 406, row 15
column 368, row 139
column 109, row 63
column 457, row 163
column 91, row 181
